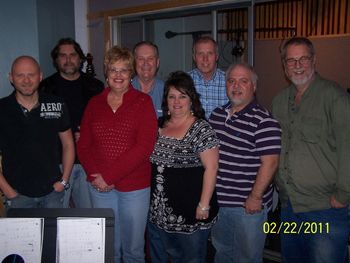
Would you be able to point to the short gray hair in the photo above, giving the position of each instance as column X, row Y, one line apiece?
column 254, row 76
column 297, row 41
column 205, row 39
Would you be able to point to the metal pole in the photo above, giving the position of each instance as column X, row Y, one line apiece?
column 251, row 29
column 214, row 15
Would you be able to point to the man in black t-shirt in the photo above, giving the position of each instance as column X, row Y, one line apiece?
column 76, row 88
column 32, row 124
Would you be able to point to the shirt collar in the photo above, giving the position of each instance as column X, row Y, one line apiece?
column 249, row 107
column 313, row 85
column 202, row 77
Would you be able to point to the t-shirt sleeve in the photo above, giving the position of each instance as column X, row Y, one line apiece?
column 65, row 119
column 205, row 138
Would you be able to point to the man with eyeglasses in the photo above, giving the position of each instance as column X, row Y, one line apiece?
column 313, row 177
column 250, row 143
column 76, row 88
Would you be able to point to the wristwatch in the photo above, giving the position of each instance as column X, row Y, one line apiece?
column 65, row 184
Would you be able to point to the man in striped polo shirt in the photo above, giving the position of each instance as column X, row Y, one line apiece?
column 250, row 144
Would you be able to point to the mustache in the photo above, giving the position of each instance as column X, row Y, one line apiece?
column 26, row 85
column 69, row 64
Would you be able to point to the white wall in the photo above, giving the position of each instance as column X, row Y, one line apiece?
column 81, row 24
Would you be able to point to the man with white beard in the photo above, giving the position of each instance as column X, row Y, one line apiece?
column 313, row 176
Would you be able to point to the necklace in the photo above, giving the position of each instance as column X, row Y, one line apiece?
column 27, row 105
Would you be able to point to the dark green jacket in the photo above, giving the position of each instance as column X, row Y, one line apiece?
column 315, row 158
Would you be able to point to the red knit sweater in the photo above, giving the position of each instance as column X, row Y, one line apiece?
column 118, row 145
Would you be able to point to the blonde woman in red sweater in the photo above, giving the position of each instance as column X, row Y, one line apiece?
column 117, row 136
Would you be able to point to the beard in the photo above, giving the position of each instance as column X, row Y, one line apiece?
column 302, row 81
column 69, row 69
column 239, row 103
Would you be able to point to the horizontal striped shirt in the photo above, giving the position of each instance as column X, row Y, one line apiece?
column 244, row 138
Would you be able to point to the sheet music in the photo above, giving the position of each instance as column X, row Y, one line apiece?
column 80, row 240
column 22, row 236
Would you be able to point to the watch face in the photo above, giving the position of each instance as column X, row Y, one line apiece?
column 66, row 187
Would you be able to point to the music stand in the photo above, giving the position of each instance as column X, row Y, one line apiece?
column 50, row 226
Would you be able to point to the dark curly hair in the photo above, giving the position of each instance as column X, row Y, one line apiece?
column 182, row 82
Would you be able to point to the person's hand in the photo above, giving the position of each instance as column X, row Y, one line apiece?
column 76, row 136
column 99, row 183
column 253, row 205
column 58, row 186
column 202, row 212
column 11, row 194
column 335, row 203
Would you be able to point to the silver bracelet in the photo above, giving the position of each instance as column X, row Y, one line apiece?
column 203, row 208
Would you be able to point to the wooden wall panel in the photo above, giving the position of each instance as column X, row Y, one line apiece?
column 283, row 19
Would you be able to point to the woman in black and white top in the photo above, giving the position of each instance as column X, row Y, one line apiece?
column 184, row 167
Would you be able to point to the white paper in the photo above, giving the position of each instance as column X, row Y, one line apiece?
column 80, row 240
column 22, row 236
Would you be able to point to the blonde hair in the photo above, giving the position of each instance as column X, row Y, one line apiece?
column 116, row 54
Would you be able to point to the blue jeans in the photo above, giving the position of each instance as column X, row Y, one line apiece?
column 185, row 248
column 314, row 247
column 157, row 249
column 52, row 200
column 130, row 211
column 239, row 237
column 78, row 189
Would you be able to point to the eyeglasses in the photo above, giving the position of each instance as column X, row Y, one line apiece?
column 304, row 60
column 122, row 71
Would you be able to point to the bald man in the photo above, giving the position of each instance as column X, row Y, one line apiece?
column 32, row 124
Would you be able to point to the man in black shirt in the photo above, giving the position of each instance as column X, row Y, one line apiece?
column 76, row 88
column 32, row 124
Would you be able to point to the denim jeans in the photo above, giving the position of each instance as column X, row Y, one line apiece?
column 78, row 189
column 157, row 248
column 239, row 237
column 185, row 248
column 52, row 200
column 310, row 245
column 130, row 211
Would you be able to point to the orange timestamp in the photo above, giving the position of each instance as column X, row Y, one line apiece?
column 295, row 228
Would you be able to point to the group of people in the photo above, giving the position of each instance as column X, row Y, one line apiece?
column 187, row 159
